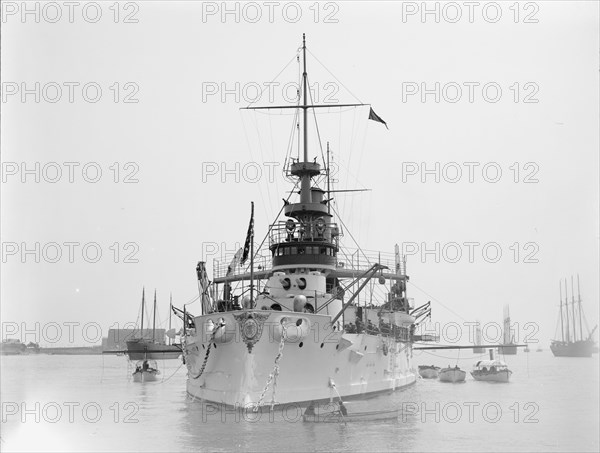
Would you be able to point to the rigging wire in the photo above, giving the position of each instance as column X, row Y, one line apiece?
column 251, row 155
column 350, row 233
column 260, row 148
column 436, row 300
column 333, row 75
column 175, row 372
column 273, row 80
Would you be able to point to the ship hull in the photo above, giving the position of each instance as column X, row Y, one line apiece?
column 452, row 375
column 337, row 417
column 429, row 372
column 145, row 376
column 572, row 349
column 498, row 376
column 144, row 349
column 311, row 362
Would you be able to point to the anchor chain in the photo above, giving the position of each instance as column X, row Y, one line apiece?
column 212, row 337
column 272, row 376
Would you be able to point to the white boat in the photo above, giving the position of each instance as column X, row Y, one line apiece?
column 452, row 374
column 145, row 371
column 282, row 329
column 429, row 371
column 491, row 370
column 338, row 417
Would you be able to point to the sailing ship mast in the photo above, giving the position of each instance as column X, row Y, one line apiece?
column 154, row 318
column 562, row 330
column 143, row 303
column 579, row 305
column 573, row 309
column 329, row 183
column 572, row 346
column 170, row 312
column 251, row 237
column 567, row 311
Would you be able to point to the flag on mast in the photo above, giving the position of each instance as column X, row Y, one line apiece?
column 249, row 236
column 235, row 261
column 373, row 116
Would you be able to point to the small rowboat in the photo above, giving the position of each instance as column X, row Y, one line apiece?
column 337, row 417
column 452, row 374
column 429, row 371
column 146, row 371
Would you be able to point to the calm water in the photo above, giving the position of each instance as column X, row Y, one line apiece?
column 88, row 403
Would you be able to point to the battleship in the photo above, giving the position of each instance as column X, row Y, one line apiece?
column 289, row 327
column 570, row 344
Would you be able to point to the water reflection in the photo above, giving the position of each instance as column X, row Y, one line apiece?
column 210, row 427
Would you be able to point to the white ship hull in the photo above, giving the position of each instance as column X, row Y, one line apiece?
column 317, row 363
column 145, row 376
column 498, row 376
column 452, row 375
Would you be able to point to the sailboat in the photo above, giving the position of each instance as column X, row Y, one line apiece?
column 142, row 348
column 292, row 330
column 509, row 346
column 571, row 344
column 478, row 349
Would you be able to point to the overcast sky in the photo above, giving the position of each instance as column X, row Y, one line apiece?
column 517, row 91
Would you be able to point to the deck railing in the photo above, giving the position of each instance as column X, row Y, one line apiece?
column 354, row 260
